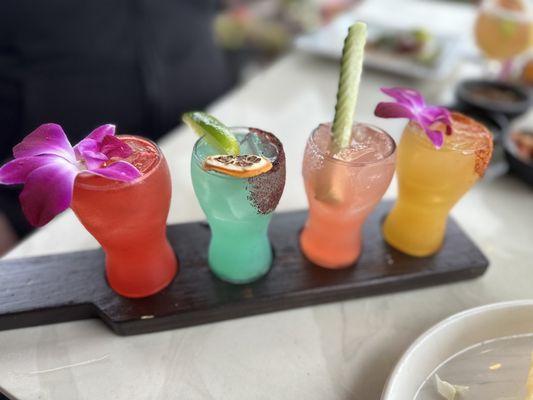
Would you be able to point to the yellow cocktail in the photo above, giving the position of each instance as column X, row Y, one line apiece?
column 432, row 180
column 503, row 28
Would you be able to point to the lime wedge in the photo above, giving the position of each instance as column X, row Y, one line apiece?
column 215, row 132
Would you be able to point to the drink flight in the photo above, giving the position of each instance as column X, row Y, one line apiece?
column 119, row 186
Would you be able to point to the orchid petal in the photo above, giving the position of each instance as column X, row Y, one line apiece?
column 406, row 96
column 47, row 165
column 118, row 171
column 393, row 110
column 94, row 160
column 436, row 137
column 48, row 191
column 101, row 132
column 16, row 171
column 439, row 114
column 46, row 139
column 86, row 145
column 114, row 147
column 410, row 104
column 88, row 153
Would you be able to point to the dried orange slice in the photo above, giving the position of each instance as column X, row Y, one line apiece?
column 243, row 166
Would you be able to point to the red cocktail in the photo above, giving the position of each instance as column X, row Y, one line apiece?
column 129, row 219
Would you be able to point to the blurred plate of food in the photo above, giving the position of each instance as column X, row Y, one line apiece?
column 413, row 52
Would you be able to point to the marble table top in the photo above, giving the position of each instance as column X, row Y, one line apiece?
column 336, row 351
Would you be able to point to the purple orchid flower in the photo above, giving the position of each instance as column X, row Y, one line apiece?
column 410, row 104
column 47, row 164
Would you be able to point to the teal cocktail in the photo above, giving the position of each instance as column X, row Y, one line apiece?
column 239, row 209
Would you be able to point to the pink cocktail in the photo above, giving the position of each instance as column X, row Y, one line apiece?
column 342, row 190
column 129, row 221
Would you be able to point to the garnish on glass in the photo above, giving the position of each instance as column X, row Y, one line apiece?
column 411, row 105
column 347, row 93
column 47, row 165
column 348, row 90
column 219, row 136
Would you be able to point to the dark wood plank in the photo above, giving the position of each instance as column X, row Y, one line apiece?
column 71, row 286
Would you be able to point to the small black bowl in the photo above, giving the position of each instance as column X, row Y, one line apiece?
column 521, row 168
column 492, row 97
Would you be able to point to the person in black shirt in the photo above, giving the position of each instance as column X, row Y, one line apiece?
column 136, row 63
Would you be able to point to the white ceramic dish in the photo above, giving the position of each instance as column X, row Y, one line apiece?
column 328, row 41
column 452, row 335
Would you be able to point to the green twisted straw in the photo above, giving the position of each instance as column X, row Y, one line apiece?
column 350, row 77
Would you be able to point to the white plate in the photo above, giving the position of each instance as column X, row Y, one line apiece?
column 328, row 41
column 451, row 336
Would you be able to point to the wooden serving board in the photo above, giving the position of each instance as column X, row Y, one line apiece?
column 72, row 286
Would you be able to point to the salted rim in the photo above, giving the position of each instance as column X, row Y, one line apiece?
column 243, row 130
column 329, row 157
column 115, row 185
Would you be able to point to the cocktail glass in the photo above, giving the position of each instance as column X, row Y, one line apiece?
column 239, row 210
column 342, row 191
column 432, row 180
column 503, row 30
column 129, row 220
